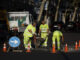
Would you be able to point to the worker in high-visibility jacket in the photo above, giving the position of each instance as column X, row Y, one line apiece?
column 28, row 34
column 57, row 35
column 43, row 31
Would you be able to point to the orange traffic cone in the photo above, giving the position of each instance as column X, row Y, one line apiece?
column 53, row 49
column 4, row 48
column 28, row 49
column 66, row 48
column 79, row 43
column 76, row 46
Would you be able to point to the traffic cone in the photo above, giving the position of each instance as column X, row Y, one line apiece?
column 79, row 43
column 76, row 46
column 4, row 48
column 53, row 49
column 28, row 49
column 66, row 48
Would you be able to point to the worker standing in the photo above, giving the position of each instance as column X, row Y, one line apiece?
column 57, row 35
column 43, row 31
column 29, row 34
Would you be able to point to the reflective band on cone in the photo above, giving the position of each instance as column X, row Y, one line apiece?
column 76, row 46
column 28, row 49
column 4, row 48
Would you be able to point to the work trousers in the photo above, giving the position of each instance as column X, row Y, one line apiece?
column 28, row 40
column 44, row 36
column 54, row 41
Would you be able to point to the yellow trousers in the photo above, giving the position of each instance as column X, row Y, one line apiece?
column 44, row 36
column 26, row 41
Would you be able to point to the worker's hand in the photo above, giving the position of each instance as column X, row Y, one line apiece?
column 30, row 31
column 48, row 31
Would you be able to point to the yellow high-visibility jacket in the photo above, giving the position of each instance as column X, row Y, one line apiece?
column 43, row 28
column 27, row 33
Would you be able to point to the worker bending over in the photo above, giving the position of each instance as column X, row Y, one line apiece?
column 57, row 35
column 29, row 34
